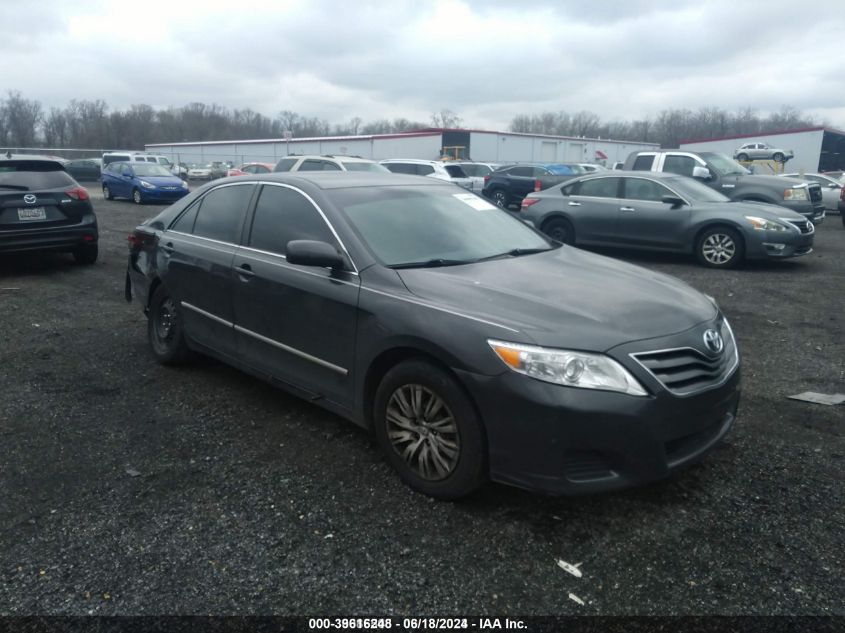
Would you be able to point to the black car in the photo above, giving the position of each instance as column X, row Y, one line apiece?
column 472, row 345
column 509, row 185
column 84, row 168
column 43, row 209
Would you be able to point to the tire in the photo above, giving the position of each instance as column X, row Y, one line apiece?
column 778, row 157
column 719, row 247
column 500, row 198
column 742, row 157
column 164, row 330
column 136, row 196
column 560, row 230
column 404, row 421
column 86, row 254
column 107, row 194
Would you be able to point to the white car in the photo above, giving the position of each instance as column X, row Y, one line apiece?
column 327, row 162
column 831, row 188
column 197, row 172
column 450, row 172
column 592, row 167
column 477, row 171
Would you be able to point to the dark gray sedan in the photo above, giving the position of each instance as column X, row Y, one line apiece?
column 667, row 212
column 470, row 344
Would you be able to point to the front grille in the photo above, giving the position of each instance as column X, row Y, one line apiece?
column 805, row 226
column 815, row 192
column 685, row 371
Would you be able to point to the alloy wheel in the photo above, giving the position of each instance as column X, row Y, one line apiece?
column 500, row 198
column 718, row 249
column 422, row 430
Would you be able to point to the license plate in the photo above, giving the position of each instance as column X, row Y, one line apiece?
column 32, row 213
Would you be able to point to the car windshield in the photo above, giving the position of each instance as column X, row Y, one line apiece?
column 429, row 226
column 148, row 169
column 565, row 170
column 695, row 191
column 723, row 165
column 363, row 166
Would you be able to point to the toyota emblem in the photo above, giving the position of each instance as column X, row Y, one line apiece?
column 30, row 198
column 713, row 341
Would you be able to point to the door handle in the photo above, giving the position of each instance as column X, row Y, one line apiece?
column 627, row 209
column 574, row 204
column 168, row 248
column 245, row 270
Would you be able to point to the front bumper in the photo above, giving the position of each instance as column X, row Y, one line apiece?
column 163, row 195
column 565, row 440
column 777, row 245
column 54, row 238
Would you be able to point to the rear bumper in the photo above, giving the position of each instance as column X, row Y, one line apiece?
column 54, row 238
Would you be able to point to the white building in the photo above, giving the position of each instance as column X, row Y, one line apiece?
column 479, row 145
column 816, row 148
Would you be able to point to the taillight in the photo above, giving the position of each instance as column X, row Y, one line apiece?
column 138, row 239
column 842, row 193
column 486, row 179
column 527, row 202
column 538, row 185
column 78, row 193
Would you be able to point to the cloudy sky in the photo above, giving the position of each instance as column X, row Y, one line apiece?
column 486, row 60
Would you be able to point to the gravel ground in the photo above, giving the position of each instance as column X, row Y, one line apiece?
column 129, row 488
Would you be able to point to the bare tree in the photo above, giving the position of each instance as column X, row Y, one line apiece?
column 446, row 119
column 22, row 118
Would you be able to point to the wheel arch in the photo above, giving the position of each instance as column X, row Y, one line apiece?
column 713, row 224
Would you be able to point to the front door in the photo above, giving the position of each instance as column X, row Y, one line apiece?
column 646, row 220
column 297, row 323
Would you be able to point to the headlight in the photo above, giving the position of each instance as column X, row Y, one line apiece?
column 797, row 193
column 762, row 224
column 184, row 184
column 564, row 367
column 147, row 185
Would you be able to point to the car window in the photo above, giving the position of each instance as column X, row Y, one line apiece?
column 260, row 169
column 526, row 172
column 185, row 222
column 599, row 187
column 424, row 170
column 285, row 164
column 282, row 215
column 116, row 158
column 455, row 171
column 330, row 166
column 125, row 170
column 681, row 165
column 363, row 166
column 643, row 162
column 220, row 212
column 646, row 190
column 34, row 175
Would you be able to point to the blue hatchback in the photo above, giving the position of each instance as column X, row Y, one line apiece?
column 142, row 182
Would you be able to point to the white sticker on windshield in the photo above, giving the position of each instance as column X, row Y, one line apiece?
column 479, row 204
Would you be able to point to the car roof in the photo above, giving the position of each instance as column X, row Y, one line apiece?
column 628, row 173
column 416, row 161
column 15, row 159
column 344, row 179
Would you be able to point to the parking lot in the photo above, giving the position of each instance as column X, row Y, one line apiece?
column 131, row 488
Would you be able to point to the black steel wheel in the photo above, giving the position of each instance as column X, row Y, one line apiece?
column 164, row 329
column 560, row 230
column 719, row 247
column 429, row 430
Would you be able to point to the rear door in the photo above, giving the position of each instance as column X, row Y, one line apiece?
column 294, row 322
column 198, row 250
column 520, row 181
column 648, row 222
column 594, row 207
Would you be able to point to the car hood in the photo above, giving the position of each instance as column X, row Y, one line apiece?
column 162, row 181
column 781, row 182
column 565, row 298
column 761, row 209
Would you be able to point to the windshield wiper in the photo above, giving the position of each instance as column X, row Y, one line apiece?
column 515, row 252
column 433, row 263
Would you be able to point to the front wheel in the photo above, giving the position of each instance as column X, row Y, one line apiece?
column 560, row 230
column 107, row 194
column 136, row 196
column 429, row 430
column 742, row 157
column 164, row 329
column 778, row 157
column 719, row 247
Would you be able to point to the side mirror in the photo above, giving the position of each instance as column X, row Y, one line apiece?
column 313, row 253
column 833, row 185
column 673, row 200
column 701, row 172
